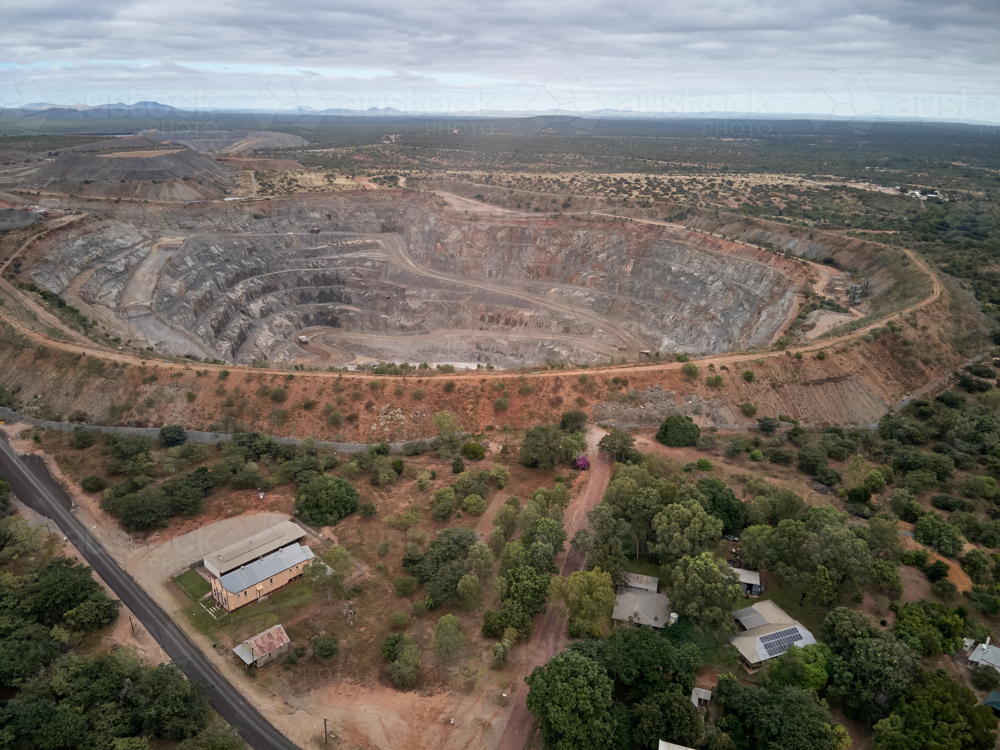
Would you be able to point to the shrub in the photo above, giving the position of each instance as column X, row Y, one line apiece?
column 706, row 442
column 443, row 510
column 748, row 409
column 325, row 500
column 423, row 481
column 325, row 647
column 756, row 455
column 573, row 421
column 93, row 483
column 690, row 370
column 821, row 355
column 81, row 438
column 474, row 451
column 383, row 548
column 704, row 464
column 190, row 396
column 714, row 381
column 474, row 504
column 678, row 431
column 414, row 448
column 501, row 474
column 501, row 404
column 937, row 570
column 367, row 509
column 399, row 619
column 383, row 472
column 420, row 394
column 748, row 375
column 279, row 394
column 335, row 419
column 405, row 585
column 457, row 465
column 783, row 456
column 449, row 386
column 947, row 590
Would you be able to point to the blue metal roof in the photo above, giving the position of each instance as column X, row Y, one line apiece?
column 266, row 567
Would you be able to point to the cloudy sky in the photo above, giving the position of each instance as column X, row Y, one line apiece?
column 930, row 59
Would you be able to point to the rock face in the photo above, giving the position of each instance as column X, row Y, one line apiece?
column 390, row 276
column 13, row 218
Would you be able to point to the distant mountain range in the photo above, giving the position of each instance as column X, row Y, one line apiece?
column 157, row 109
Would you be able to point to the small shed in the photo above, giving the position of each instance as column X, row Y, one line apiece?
column 264, row 647
column 701, row 697
column 749, row 582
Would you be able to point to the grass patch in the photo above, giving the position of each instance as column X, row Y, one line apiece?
column 193, row 584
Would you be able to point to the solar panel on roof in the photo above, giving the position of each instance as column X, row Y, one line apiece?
column 777, row 643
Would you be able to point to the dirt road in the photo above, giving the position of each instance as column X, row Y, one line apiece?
column 550, row 634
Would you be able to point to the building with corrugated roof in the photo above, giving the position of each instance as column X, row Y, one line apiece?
column 254, row 567
column 767, row 632
column 264, row 647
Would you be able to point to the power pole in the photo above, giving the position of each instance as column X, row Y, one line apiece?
column 326, row 734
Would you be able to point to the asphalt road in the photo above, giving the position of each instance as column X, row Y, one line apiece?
column 35, row 487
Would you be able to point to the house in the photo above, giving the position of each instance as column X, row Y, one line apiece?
column 258, row 565
column 767, row 631
column 638, row 603
column 749, row 582
column 264, row 647
column 986, row 654
column 701, row 697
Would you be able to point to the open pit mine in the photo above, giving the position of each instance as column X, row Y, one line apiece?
column 392, row 275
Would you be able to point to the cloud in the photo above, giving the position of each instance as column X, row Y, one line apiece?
column 626, row 51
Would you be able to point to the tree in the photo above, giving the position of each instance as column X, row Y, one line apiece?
column 327, row 575
column 589, row 598
column 571, row 698
column 325, row 500
column 218, row 735
column 668, row 715
column 481, row 560
column 165, row 704
column 768, row 425
column 573, row 421
column 722, row 503
column 678, row 431
column 601, row 542
column 617, row 444
column 470, row 590
column 821, row 589
column 705, row 589
column 684, row 529
column 447, row 441
column 807, row 667
column 543, row 448
column 448, row 637
column 690, row 370
column 780, row 716
column 812, row 458
column 883, row 538
column 937, row 712
column 325, row 647
column 171, row 435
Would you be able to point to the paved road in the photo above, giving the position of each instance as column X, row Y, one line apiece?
column 33, row 485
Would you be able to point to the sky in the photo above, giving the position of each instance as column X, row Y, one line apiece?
column 929, row 60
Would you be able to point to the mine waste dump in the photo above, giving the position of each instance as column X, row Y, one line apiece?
column 391, row 275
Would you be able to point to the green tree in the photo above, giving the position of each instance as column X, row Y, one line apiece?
column 171, row 435
column 821, row 589
column 572, row 421
column 678, row 431
column 589, row 597
column 617, row 444
column 481, row 560
column 937, row 712
column 218, row 735
column 768, row 425
column 668, row 715
column 448, row 637
column 684, row 529
column 470, row 590
column 325, row 500
column 571, row 698
column 807, row 667
column 690, row 370
column 543, row 448
column 705, row 589
column 167, row 705
column 812, row 458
